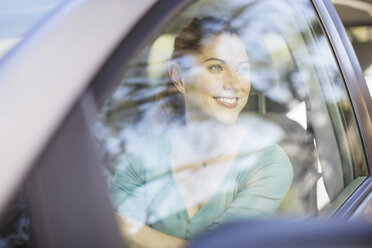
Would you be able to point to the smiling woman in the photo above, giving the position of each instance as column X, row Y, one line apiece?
column 245, row 116
column 217, row 80
column 192, row 177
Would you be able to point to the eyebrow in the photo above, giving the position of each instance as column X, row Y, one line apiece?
column 224, row 62
column 221, row 60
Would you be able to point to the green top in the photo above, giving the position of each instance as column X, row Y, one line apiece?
column 143, row 188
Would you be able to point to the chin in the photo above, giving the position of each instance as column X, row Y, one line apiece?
column 227, row 118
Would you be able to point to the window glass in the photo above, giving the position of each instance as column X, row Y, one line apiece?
column 357, row 19
column 235, row 110
column 17, row 17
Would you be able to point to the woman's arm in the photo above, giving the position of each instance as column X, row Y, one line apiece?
column 139, row 235
column 129, row 198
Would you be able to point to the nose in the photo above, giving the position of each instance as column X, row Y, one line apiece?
column 233, row 81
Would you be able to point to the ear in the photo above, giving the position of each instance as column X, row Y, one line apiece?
column 175, row 73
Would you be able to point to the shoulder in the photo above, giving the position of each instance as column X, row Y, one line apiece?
column 275, row 156
column 270, row 161
column 277, row 165
column 274, row 151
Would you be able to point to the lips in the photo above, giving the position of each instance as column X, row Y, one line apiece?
column 228, row 102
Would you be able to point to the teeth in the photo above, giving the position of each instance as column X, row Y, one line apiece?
column 226, row 100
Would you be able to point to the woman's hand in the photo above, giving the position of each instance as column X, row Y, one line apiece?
column 139, row 235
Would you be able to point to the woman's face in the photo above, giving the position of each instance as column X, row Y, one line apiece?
column 217, row 84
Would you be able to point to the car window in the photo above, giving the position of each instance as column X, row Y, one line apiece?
column 357, row 19
column 233, row 110
column 18, row 17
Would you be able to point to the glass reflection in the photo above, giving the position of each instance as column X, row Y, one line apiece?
column 201, row 170
column 221, row 120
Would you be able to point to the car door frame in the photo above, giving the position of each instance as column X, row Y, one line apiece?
column 358, row 94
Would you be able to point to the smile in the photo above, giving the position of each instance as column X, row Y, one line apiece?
column 228, row 102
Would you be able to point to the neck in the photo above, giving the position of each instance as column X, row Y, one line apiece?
column 199, row 122
column 210, row 137
column 199, row 141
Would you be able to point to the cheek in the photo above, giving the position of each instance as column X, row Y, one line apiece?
column 204, row 82
column 246, row 86
column 246, row 96
column 245, row 101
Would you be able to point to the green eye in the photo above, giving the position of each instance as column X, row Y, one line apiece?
column 216, row 68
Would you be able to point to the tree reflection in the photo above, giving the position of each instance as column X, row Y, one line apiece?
column 292, row 66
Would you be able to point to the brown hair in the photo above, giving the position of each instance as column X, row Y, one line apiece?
column 190, row 38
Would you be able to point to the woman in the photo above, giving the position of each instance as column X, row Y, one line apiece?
column 176, row 185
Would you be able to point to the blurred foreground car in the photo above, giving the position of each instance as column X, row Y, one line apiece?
column 84, row 83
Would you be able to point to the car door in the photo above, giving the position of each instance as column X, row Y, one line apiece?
column 313, row 104
column 308, row 97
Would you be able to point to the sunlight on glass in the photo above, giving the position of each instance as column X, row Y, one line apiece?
column 322, row 195
column 235, row 110
column 298, row 114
